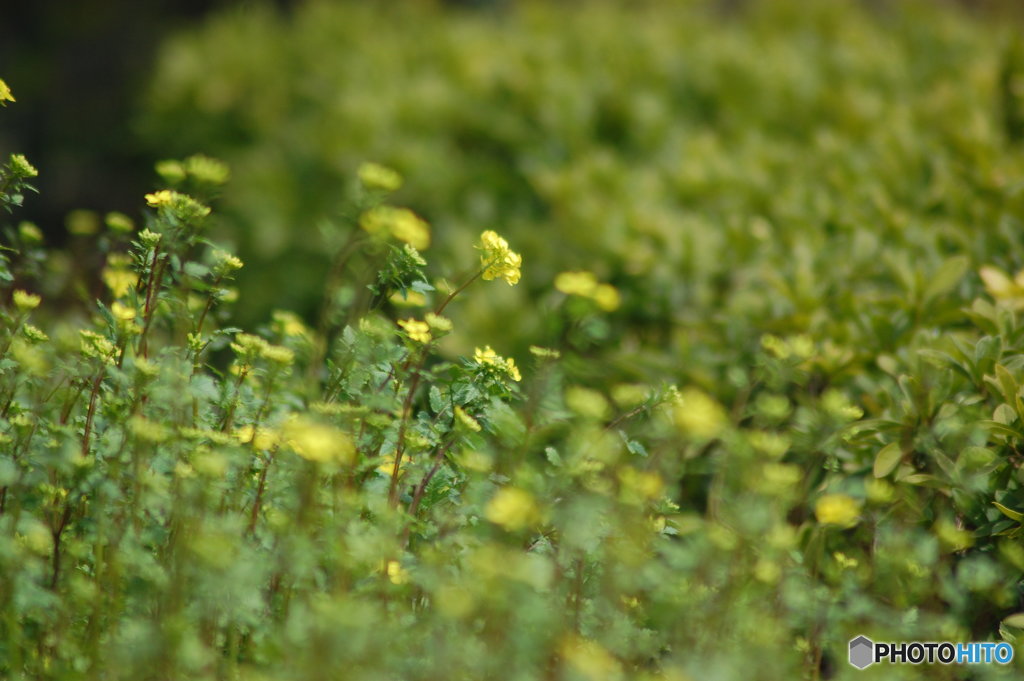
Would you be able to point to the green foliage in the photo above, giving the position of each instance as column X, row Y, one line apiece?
column 772, row 397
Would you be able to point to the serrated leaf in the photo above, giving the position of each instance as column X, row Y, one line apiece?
column 887, row 459
column 436, row 401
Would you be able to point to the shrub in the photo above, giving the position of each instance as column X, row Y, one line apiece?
column 796, row 420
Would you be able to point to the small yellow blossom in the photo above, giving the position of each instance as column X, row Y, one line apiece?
column 82, row 222
column 122, row 313
column 149, row 238
column 34, row 334
column 837, row 509
column 21, row 167
column 183, row 206
column 5, row 93
column 513, row 509
column 585, row 402
column 489, row 357
column 438, row 323
column 25, row 301
column 148, row 431
column 164, row 197
column 289, row 325
column 387, row 465
column 30, row 358
column 401, row 223
column 260, row 438
column 95, row 345
column 172, row 171
column 225, row 262
column 845, row 562
column 277, row 354
column 119, row 280
column 248, row 346
column 417, row 331
column 374, row 176
column 396, row 573
column 585, row 285
column 318, row 442
column 408, row 299
column 497, row 259
column 119, row 222
column 696, row 413
column 207, row 170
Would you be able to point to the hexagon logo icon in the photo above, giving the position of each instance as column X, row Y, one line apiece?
column 862, row 652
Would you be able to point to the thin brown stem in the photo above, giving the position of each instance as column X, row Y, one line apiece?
column 91, row 413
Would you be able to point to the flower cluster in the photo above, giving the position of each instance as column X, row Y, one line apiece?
column 585, row 285
column 498, row 260
column 401, row 223
column 487, row 357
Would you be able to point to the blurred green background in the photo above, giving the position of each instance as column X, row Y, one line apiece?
column 709, row 159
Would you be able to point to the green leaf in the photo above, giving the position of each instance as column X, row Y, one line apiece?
column 1009, row 513
column 947, row 277
column 887, row 459
column 1015, row 620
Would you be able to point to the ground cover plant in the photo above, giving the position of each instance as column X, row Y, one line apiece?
column 698, row 378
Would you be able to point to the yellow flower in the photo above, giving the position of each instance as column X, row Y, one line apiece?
column 497, row 259
column 400, row 223
column 576, row 283
column 417, row 331
column 585, row 285
column 171, row 171
column 121, row 312
column 315, row 441
column 119, row 222
column 25, row 301
column 183, row 206
column 277, row 354
column 207, row 170
column 489, row 357
column 21, row 166
column 374, row 176
column 148, row 431
column 119, row 280
column 289, row 324
column 512, row 508
column 396, row 573
column 408, row 299
column 261, row 438
column 438, row 323
column 95, row 345
column 5, row 93
column 837, row 509
column 225, row 263
column 164, row 197
column 696, row 413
